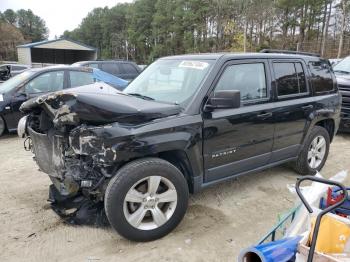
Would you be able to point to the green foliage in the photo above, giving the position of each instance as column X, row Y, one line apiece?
column 145, row 30
column 10, row 16
column 31, row 26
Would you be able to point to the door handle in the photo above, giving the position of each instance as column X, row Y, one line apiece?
column 307, row 107
column 264, row 115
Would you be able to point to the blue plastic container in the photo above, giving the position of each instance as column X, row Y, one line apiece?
column 282, row 250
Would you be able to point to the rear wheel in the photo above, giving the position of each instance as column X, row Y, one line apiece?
column 146, row 199
column 2, row 126
column 314, row 153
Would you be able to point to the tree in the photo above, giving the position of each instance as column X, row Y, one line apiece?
column 326, row 19
column 10, row 16
column 344, row 7
column 32, row 26
column 147, row 29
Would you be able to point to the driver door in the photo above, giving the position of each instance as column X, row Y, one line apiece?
column 239, row 140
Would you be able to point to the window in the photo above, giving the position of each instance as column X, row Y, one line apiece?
column 47, row 82
column 94, row 65
column 170, row 80
column 128, row 69
column 5, row 68
column 321, row 76
column 80, row 78
column 290, row 78
column 249, row 79
column 110, row 68
column 18, row 68
column 166, row 79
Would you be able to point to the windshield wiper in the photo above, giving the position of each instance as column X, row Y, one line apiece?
column 342, row 72
column 141, row 96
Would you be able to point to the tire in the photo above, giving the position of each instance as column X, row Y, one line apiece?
column 302, row 164
column 139, row 175
column 2, row 126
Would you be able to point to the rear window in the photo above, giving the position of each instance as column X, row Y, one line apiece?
column 321, row 76
column 128, row 69
column 78, row 78
column 110, row 68
column 290, row 78
column 18, row 67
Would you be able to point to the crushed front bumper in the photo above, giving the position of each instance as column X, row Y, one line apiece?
column 77, row 210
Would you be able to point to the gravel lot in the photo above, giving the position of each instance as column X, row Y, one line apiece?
column 220, row 220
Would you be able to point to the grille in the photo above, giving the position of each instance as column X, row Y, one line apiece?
column 345, row 92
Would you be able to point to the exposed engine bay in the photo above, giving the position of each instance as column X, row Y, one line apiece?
column 71, row 144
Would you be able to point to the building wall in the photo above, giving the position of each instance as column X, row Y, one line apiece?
column 24, row 56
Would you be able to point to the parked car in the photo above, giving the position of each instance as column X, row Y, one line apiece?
column 334, row 61
column 35, row 82
column 142, row 67
column 186, row 123
column 342, row 73
column 9, row 70
column 126, row 70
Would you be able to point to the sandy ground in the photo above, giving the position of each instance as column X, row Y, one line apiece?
column 220, row 220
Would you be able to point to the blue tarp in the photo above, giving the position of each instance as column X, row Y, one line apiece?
column 109, row 79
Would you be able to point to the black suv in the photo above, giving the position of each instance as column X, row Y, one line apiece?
column 126, row 70
column 187, row 122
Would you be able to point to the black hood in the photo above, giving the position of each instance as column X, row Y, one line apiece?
column 98, row 104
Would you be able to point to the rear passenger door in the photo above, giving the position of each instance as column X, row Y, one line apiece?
column 292, row 107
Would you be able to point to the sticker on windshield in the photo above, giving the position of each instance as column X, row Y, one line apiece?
column 194, row 64
column 1, row 98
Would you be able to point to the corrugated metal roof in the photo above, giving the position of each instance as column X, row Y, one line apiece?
column 42, row 44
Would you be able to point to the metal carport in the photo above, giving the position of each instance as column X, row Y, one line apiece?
column 59, row 51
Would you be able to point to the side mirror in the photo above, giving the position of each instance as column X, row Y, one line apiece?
column 224, row 99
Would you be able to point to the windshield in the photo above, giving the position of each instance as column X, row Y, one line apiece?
column 15, row 81
column 343, row 66
column 172, row 81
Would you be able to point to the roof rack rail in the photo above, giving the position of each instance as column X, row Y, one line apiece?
column 288, row 52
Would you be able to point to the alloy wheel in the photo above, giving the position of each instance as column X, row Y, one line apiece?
column 317, row 151
column 150, row 202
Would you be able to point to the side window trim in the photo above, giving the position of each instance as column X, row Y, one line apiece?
column 247, row 61
column 306, row 75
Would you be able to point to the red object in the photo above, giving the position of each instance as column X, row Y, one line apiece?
column 331, row 200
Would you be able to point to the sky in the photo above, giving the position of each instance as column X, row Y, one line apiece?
column 59, row 15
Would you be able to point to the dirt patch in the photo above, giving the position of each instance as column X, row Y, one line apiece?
column 220, row 221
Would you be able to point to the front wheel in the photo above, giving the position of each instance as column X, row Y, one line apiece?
column 146, row 199
column 314, row 152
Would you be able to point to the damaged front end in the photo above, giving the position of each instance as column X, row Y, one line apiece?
column 67, row 143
